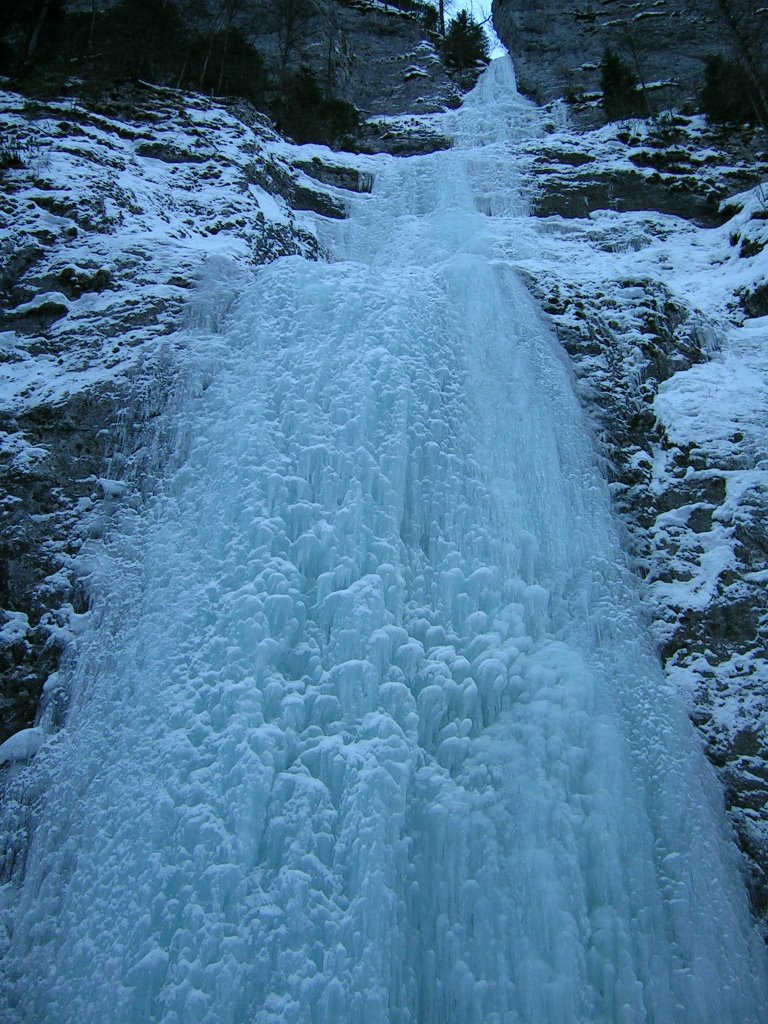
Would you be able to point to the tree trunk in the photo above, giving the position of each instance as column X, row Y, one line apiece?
column 92, row 26
column 183, row 71
column 630, row 39
column 224, row 49
column 34, row 39
column 206, row 62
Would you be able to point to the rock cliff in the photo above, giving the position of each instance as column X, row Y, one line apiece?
column 557, row 48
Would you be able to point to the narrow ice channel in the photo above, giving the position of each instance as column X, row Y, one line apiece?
column 367, row 730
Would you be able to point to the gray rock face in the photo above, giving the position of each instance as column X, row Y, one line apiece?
column 382, row 60
column 49, row 463
column 388, row 64
column 557, row 48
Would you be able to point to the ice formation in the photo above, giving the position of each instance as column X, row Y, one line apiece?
column 366, row 727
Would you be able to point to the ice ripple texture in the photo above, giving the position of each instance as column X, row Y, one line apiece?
column 367, row 728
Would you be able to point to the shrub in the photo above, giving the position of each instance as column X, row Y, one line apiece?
column 465, row 44
column 11, row 159
column 303, row 112
column 429, row 19
column 157, row 40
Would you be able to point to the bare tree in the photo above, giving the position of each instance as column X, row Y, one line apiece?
column 328, row 13
column 630, row 40
column 216, row 20
column 290, row 20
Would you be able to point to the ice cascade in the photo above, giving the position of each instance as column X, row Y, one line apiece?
column 366, row 727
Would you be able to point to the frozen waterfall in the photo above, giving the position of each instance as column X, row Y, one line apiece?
column 366, row 729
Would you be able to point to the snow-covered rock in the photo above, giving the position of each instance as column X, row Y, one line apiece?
column 21, row 746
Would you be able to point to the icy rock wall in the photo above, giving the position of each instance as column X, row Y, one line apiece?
column 372, row 54
column 695, row 514
column 366, row 726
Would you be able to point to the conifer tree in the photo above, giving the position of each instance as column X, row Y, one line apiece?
column 465, row 44
column 619, row 87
